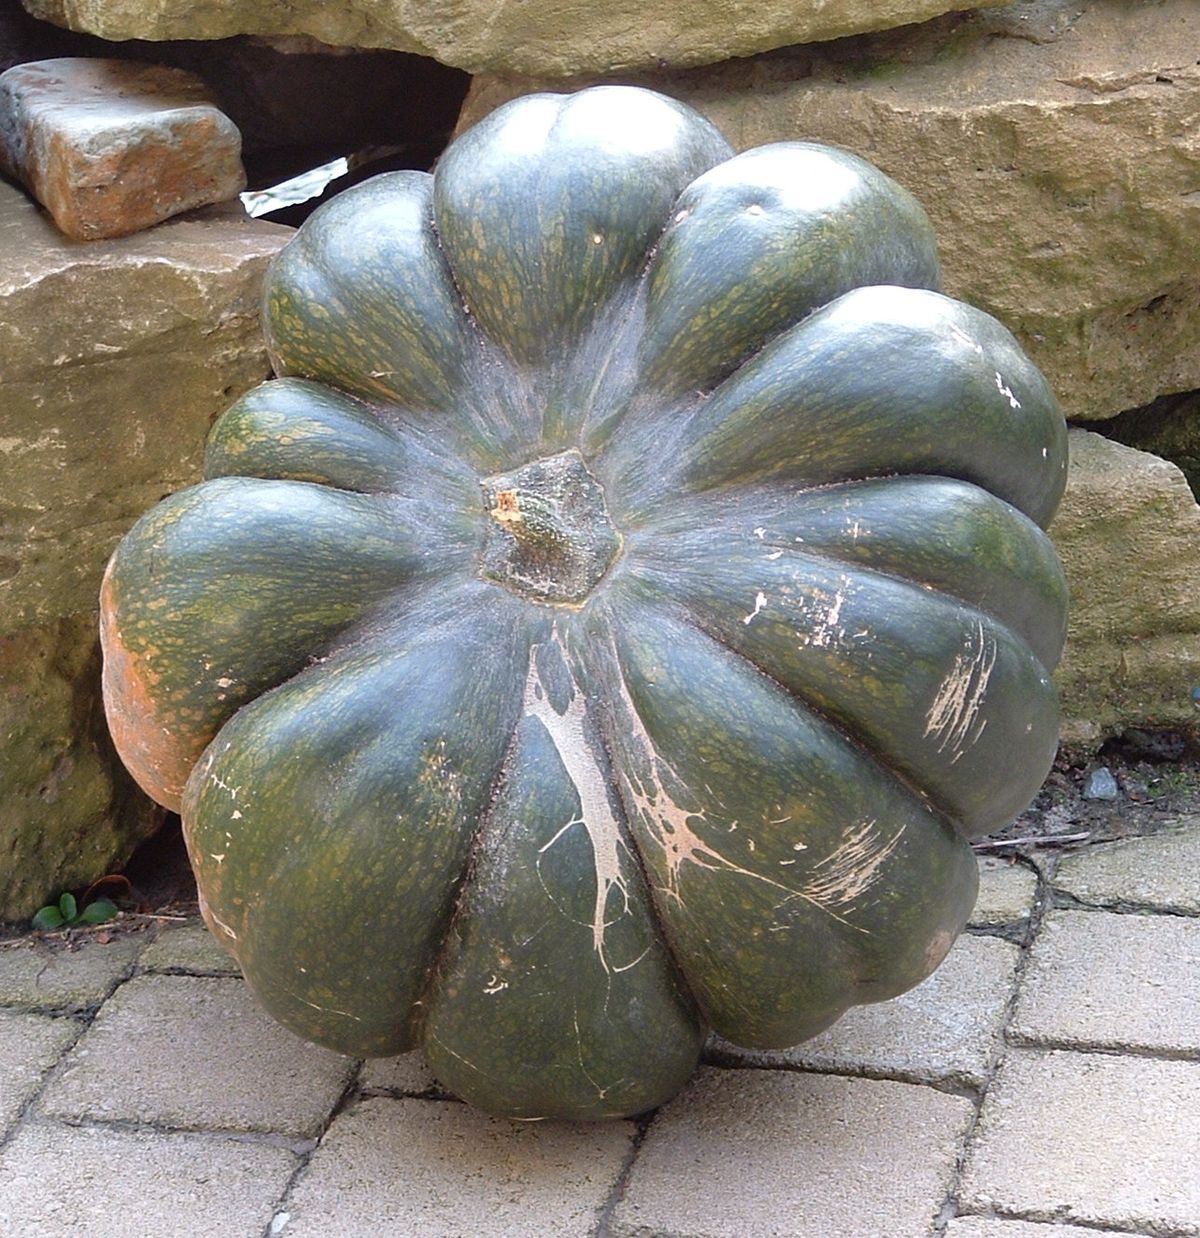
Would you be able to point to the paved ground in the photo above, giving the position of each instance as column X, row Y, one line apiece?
column 1045, row 1083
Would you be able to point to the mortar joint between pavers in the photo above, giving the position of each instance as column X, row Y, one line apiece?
column 951, row 1084
column 27, row 1114
column 270, row 1139
column 1063, row 900
column 1100, row 1048
column 642, row 1126
column 376, row 1091
column 350, row 1096
column 1024, row 941
column 1063, row 1215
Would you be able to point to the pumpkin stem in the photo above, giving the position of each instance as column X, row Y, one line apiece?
column 551, row 537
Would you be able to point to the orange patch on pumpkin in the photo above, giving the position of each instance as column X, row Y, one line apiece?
column 159, row 757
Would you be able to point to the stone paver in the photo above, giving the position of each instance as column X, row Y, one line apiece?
column 1006, row 892
column 1157, row 872
column 57, row 1180
column 188, row 1051
column 998, row 1227
column 1095, row 1138
column 944, row 1030
column 113, row 146
column 440, row 1168
column 29, row 1045
column 407, row 1073
column 775, row 1153
column 188, row 947
column 34, row 974
column 1114, row 981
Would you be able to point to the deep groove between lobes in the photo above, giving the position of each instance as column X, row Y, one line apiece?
column 438, row 962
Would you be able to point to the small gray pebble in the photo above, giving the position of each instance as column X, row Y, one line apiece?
column 1100, row 785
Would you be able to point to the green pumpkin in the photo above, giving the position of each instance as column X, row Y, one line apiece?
column 614, row 622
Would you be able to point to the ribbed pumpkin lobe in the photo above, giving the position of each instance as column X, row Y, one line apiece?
column 549, row 538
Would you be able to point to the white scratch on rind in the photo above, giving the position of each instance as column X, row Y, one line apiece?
column 760, row 600
column 323, row 1009
column 216, row 919
column 1014, row 403
column 826, row 628
column 853, row 867
column 566, row 731
column 233, row 791
column 953, row 718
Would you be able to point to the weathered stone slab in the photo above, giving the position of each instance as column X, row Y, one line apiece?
column 29, row 1045
column 555, row 38
column 121, row 350
column 114, row 359
column 1006, row 892
column 1170, row 427
column 68, row 812
column 1098, row 1138
column 1113, row 981
column 943, row 1031
column 57, row 1180
column 194, row 1052
column 37, row 976
column 1157, row 872
column 772, row 1152
column 111, row 147
column 1053, row 145
column 437, row 1168
column 1128, row 534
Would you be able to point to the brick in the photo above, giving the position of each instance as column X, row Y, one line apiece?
column 188, row 947
column 1158, row 872
column 29, row 1045
column 1113, row 981
column 776, row 1153
column 1100, row 1139
column 441, row 1168
column 188, row 1051
column 946, row 1030
column 407, row 1074
column 110, row 147
column 1006, row 892
column 58, row 1180
column 33, row 974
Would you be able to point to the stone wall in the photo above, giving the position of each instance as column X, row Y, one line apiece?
column 553, row 37
column 114, row 358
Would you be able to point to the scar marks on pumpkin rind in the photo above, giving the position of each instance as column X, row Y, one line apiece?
column 567, row 732
column 854, row 866
column 953, row 719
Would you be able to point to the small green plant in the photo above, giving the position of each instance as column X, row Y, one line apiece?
column 66, row 914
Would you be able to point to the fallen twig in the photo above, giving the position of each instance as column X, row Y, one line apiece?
column 1039, row 840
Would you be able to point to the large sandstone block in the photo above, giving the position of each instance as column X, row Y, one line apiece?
column 114, row 358
column 110, row 147
column 1055, row 146
column 67, row 809
column 557, row 38
column 1128, row 533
